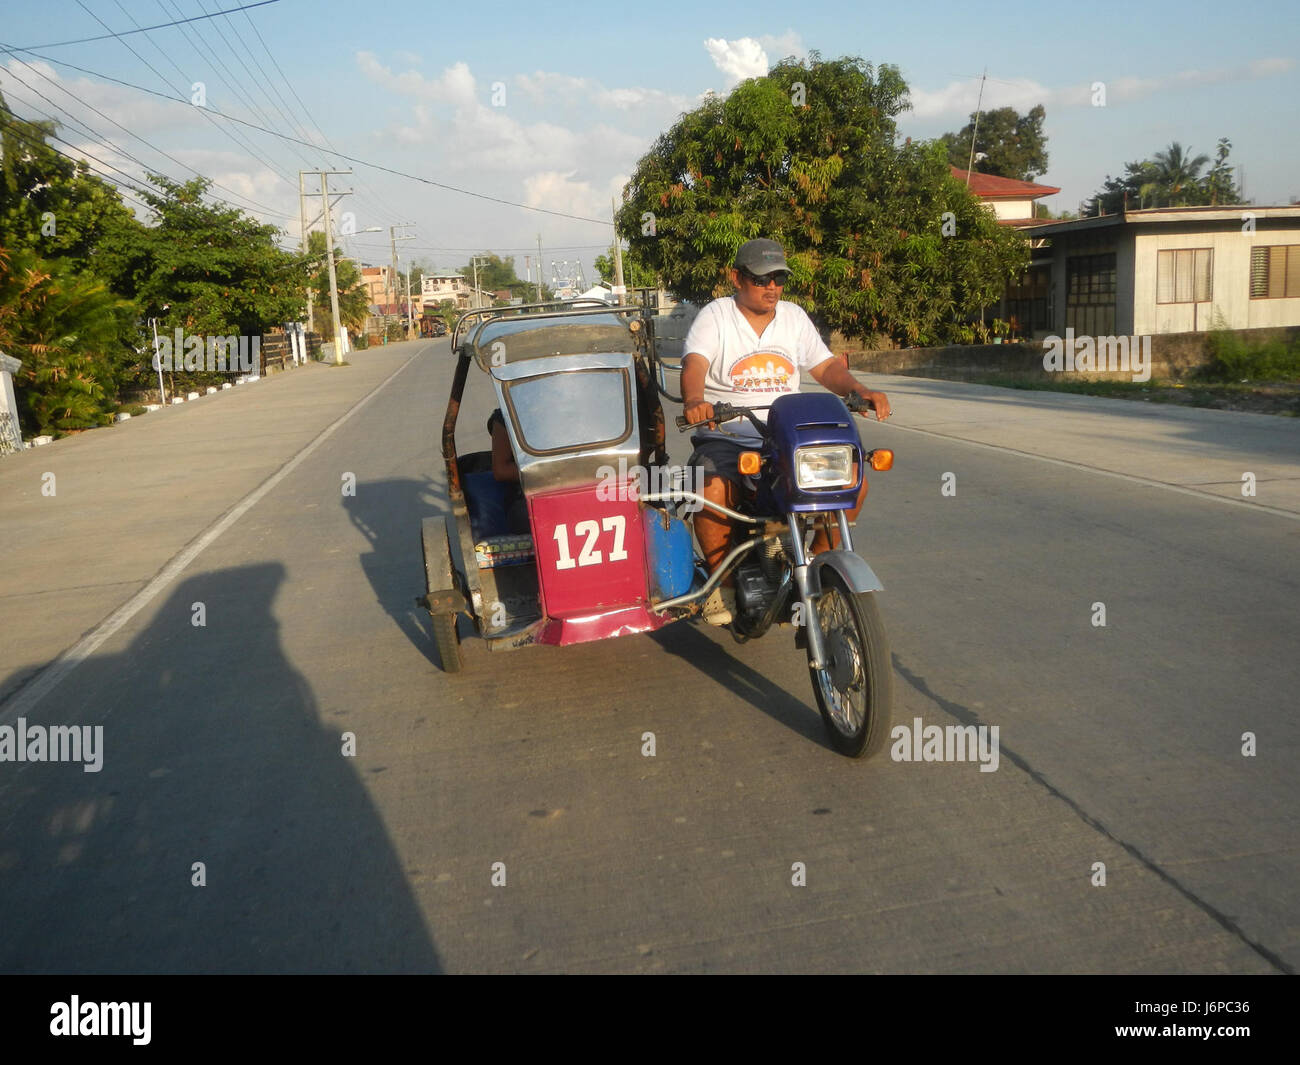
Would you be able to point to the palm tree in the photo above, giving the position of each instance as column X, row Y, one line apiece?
column 354, row 302
column 65, row 327
column 1177, row 174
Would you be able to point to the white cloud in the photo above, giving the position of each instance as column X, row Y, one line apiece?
column 959, row 97
column 545, row 88
column 455, row 86
column 548, row 85
column 555, row 190
column 786, row 44
column 738, row 59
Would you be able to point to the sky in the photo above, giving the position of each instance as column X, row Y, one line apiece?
column 545, row 109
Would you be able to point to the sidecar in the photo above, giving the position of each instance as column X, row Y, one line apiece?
column 575, row 389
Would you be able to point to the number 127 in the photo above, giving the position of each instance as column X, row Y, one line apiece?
column 589, row 556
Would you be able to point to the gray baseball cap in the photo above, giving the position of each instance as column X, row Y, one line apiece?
column 760, row 257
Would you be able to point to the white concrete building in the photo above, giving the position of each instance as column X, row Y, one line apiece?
column 1168, row 270
column 437, row 288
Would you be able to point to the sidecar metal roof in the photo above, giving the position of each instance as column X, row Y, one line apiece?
column 508, row 336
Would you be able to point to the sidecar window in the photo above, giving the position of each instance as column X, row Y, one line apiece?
column 570, row 411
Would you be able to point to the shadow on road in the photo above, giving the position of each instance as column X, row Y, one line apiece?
column 213, row 752
column 687, row 642
column 389, row 514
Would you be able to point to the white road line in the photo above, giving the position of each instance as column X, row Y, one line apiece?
column 25, row 699
column 1132, row 478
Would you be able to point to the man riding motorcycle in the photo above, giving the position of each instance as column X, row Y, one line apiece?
column 746, row 350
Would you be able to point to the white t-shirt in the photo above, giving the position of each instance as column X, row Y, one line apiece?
column 747, row 370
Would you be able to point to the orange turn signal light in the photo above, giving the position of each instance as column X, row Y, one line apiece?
column 750, row 462
column 882, row 458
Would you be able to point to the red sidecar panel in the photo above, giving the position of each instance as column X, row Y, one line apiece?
column 590, row 552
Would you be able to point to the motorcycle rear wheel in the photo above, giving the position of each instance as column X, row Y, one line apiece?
column 854, row 689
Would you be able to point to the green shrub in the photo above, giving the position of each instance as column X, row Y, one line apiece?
column 1233, row 357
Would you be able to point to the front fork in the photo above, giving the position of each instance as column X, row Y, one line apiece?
column 803, row 580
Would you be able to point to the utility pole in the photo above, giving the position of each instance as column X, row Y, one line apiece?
column 410, row 315
column 975, row 131
column 329, row 254
column 157, row 359
column 474, row 263
column 302, row 231
column 619, row 288
column 329, row 244
column 539, row 268
column 391, row 286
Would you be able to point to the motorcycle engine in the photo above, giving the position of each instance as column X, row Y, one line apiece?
column 754, row 591
column 758, row 577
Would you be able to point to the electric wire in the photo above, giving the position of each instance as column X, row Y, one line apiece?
column 146, row 29
column 100, row 139
column 342, row 155
column 205, row 111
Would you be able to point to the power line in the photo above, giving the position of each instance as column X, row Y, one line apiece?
column 146, row 29
column 200, row 41
column 532, row 248
column 18, row 132
column 246, row 95
column 246, row 145
column 363, row 195
column 99, row 138
column 341, row 155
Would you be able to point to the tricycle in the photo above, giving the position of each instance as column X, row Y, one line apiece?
column 609, row 549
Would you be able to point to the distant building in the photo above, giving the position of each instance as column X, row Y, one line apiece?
column 438, row 288
column 376, row 280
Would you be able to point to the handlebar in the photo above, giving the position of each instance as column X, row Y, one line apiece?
column 723, row 412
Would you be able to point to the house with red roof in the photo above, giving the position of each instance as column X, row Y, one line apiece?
column 1012, row 202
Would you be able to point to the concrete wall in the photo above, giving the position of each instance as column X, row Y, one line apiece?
column 1173, row 355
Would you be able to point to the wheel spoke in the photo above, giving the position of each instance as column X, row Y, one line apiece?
column 839, row 637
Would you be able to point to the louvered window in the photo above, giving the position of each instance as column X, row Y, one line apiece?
column 1275, row 272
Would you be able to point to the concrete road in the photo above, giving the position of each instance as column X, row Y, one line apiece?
column 224, row 764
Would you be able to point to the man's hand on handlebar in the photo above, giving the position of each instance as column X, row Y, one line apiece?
column 698, row 410
column 864, row 400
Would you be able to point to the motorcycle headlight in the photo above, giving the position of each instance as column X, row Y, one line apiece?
column 824, row 467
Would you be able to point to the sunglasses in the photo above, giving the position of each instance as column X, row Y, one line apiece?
column 779, row 276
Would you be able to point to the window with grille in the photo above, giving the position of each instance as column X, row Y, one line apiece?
column 1275, row 272
column 1090, row 294
column 1185, row 276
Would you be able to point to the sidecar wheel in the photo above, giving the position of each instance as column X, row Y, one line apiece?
column 855, row 689
column 447, row 640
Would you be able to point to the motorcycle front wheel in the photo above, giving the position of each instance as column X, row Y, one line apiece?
column 855, row 687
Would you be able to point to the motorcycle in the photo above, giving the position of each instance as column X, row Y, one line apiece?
column 579, row 393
